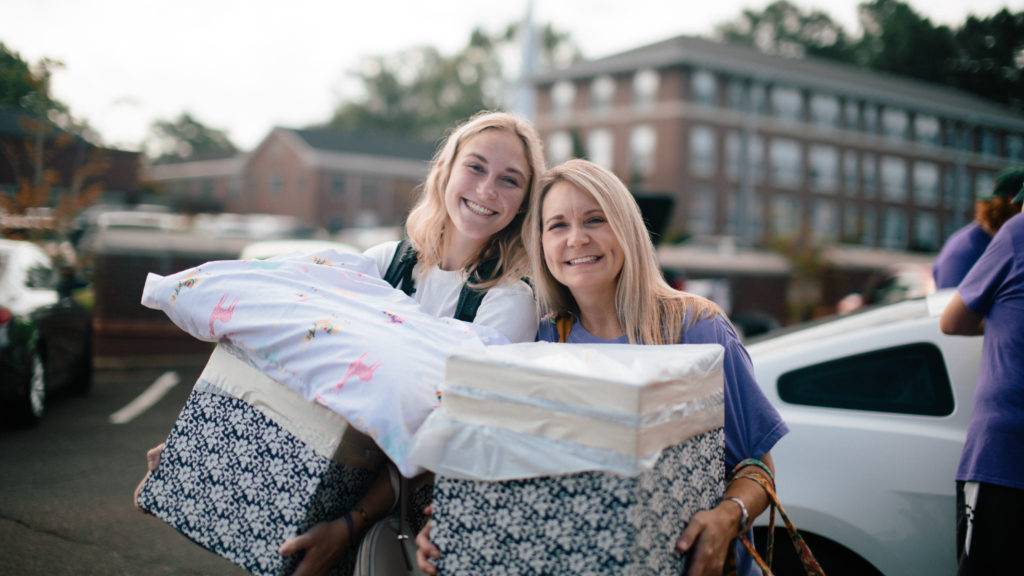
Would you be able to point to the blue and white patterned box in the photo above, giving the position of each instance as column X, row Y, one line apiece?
column 585, row 523
column 237, row 482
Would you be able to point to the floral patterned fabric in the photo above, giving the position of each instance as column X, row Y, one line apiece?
column 588, row 523
column 236, row 483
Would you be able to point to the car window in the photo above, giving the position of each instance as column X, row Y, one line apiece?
column 40, row 276
column 909, row 379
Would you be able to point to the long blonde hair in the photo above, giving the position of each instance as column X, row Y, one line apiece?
column 651, row 311
column 428, row 223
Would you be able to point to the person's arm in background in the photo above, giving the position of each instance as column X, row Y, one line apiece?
column 959, row 320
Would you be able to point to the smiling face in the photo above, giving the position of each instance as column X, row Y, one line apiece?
column 485, row 190
column 580, row 247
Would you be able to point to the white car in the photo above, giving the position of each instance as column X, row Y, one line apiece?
column 878, row 405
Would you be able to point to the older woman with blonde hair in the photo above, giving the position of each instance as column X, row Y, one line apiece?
column 596, row 276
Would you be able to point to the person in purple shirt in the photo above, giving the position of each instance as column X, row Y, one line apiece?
column 593, row 260
column 966, row 245
column 990, row 477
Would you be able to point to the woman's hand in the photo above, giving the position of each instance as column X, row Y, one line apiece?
column 152, row 461
column 425, row 549
column 324, row 544
column 707, row 539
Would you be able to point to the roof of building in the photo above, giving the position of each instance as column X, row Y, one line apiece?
column 330, row 139
column 807, row 72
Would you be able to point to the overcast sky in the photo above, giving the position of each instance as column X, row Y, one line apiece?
column 249, row 65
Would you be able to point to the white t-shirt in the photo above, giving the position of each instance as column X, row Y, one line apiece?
column 509, row 307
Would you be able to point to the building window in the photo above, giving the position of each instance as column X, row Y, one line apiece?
column 894, row 123
column 207, row 189
column 736, row 95
column 826, row 220
column 602, row 93
column 563, row 94
column 645, row 88
column 870, row 174
column 825, row 110
column 785, row 163
column 787, row 103
column 276, row 185
column 759, row 98
column 926, row 231
column 735, row 165
column 894, row 179
column 926, row 184
column 894, row 228
column 643, row 143
column 851, row 115
column 926, row 129
column 234, row 187
column 824, row 169
column 983, row 184
column 1015, row 147
column 337, row 185
column 704, row 88
column 868, row 225
column 851, row 175
column 786, row 215
column 371, row 189
column 850, row 222
column 559, row 147
column 702, row 210
column 600, row 147
column 751, row 213
column 871, row 118
column 989, row 144
column 702, row 151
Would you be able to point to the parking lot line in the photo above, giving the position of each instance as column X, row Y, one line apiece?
column 147, row 399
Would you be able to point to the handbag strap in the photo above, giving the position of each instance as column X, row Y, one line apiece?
column 810, row 564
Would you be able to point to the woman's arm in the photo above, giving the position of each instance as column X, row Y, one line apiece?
column 710, row 533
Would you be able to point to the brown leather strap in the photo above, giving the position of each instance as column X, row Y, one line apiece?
column 563, row 323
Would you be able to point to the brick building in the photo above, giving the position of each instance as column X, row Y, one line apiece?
column 814, row 149
column 323, row 177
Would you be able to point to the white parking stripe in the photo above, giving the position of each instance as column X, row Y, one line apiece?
column 147, row 399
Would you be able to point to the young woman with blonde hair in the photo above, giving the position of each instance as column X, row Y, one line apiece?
column 464, row 258
column 595, row 268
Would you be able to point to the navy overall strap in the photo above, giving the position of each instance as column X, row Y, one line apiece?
column 399, row 273
column 470, row 298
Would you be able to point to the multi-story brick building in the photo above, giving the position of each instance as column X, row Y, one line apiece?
column 323, row 177
column 756, row 146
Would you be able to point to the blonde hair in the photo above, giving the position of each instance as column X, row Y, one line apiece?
column 651, row 311
column 428, row 223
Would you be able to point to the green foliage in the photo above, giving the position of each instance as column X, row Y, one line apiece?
column 421, row 92
column 983, row 56
column 186, row 138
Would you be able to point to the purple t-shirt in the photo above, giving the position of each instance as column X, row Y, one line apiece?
column 752, row 425
column 958, row 254
column 994, row 288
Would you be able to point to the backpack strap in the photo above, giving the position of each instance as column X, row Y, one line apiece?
column 470, row 298
column 399, row 273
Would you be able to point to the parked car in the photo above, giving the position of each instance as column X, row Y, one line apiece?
column 45, row 336
column 878, row 404
column 270, row 248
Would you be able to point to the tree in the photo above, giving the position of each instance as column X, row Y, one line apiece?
column 783, row 28
column 421, row 92
column 989, row 58
column 897, row 39
column 983, row 56
column 186, row 138
column 50, row 159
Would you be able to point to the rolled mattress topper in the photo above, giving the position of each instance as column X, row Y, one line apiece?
column 544, row 409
